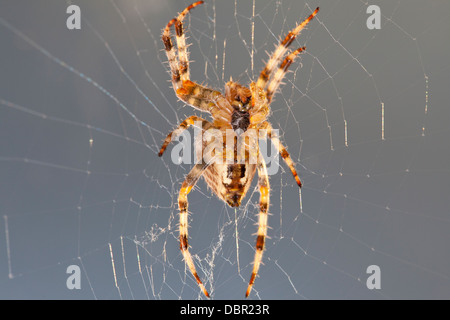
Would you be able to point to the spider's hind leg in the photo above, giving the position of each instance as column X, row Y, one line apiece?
column 188, row 184
column 264, row 190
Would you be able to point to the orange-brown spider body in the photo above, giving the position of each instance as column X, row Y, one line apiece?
column 229, row 168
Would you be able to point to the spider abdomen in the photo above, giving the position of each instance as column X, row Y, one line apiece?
column 230, row 182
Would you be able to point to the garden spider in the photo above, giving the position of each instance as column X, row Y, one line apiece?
column 239, row 110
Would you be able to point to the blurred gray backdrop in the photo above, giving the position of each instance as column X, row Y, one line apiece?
column 83, row 113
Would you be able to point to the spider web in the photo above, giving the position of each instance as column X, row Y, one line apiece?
column 363, row 113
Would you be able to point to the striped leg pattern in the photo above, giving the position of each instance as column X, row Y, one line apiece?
column 282, row 150
column 179, row 72
column 264, row 189
column 277, row 56
column 279, row 74
column 197, row 96
column 205, row 125
column 186, row 187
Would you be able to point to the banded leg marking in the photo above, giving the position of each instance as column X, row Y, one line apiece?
column 186, row 187
column 264, row 189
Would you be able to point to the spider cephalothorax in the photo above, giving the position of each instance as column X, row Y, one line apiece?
column 243, row 101
column 241, row 110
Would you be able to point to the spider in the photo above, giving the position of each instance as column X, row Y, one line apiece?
column 240, row 109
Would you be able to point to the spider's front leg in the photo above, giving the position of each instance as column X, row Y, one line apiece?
column 268, row 76
column 264, row 190
column 188, row 184
column 179, row 72
column 199, row 97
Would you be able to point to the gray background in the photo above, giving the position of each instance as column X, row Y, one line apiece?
column 110, row 206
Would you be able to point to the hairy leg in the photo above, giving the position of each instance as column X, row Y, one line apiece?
column 279, row 52
column 205, row 125
column 264, row 190
column 282, row 150
column 188, row 184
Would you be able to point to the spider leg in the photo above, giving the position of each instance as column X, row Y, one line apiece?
column 205, row 99
column 282, row 150
column 264, row 188
column 171, row 56
column 181, row 41
column 188, row 184
column 279, row 52
column 181, row 72
column 197, row 96
column 279, row 74
column 181, row 127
